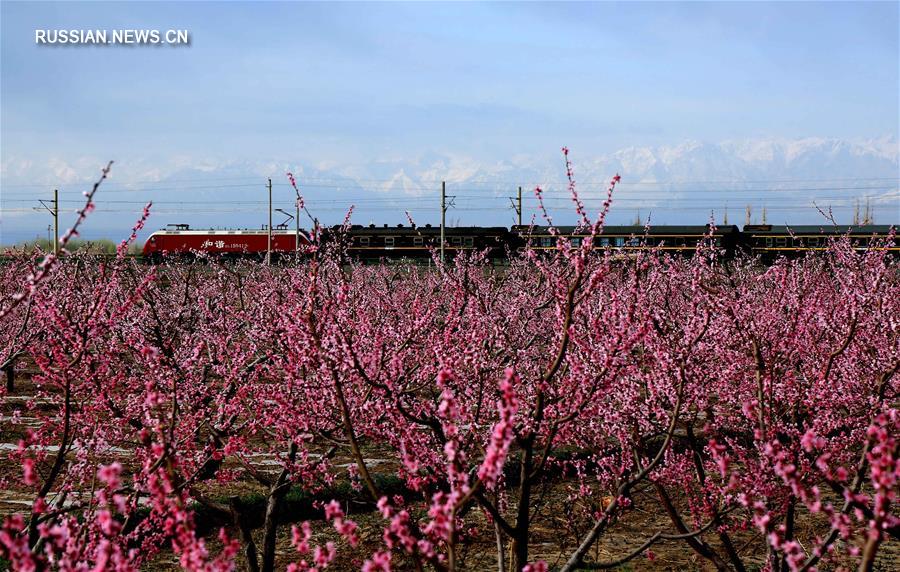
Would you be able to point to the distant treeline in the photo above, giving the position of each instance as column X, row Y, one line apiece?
column 99, row 246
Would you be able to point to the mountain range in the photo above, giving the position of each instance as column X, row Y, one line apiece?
column 679, row 183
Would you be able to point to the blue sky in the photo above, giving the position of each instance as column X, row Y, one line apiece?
column 340, row 84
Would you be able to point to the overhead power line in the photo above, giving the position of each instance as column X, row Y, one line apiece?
column 399, row 211
column 255, row 181
column 488, row 193
column 470, row 198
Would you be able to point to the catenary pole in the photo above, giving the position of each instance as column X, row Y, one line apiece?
column 269, row 236
column 443, row 215
column 520, row 206
column 56, row 222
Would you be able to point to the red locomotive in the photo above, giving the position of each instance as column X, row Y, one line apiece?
column 419, row 243
column 180, row 239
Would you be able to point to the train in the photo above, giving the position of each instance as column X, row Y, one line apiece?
column 182, row 240
column 411, row 242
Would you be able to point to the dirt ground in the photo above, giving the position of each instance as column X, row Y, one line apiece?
column 555, row 532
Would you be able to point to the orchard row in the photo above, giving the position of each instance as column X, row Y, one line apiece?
column 751, row 411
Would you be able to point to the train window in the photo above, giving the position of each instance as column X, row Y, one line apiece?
column 717, row 241
column 418, row 241
column 769, row 242
column 634, row 241
column 546, row 241
column 604, row 242
column 620, row 241
column 389, row 242
column 781, row 242
column 812, row 241
column 679, row 241
column 364, row 241
column 455, row 240
column 576, row 241
column 469, row 242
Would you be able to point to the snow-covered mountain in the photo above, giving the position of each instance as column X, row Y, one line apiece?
column 679, row 183
column 734, row 161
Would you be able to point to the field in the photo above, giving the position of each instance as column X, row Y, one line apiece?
column 574, row 409
column 528, row 286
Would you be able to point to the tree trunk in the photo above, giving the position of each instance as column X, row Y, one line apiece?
column 246, row 535
column 520, row 540
column 869, row 551
column 10, row 371
column 273, row 506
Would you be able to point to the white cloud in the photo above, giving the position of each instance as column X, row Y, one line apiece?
column 680, row 183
